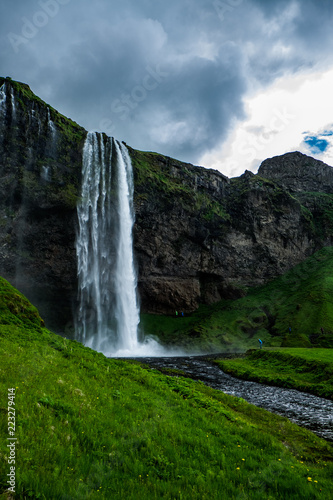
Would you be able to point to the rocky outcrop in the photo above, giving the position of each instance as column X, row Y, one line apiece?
column 188, row 255
column 297, row 173
column 198, row 236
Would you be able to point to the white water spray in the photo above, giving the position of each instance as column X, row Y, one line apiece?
column 108, row 313
column 45, row 173
column 13, row 105
column 51, row 128
column 127, row 311
column 3, row 99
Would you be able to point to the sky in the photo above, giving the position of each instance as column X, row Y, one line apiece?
column 221, row 84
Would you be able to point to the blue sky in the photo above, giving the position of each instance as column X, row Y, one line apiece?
column 224, row 84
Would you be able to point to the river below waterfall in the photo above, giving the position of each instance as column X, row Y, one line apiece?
column 304, row 409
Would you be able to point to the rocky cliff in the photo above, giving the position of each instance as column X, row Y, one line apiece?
column 198, row 236
column 40, row 169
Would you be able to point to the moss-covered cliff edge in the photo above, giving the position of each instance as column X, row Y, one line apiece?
column 198, row 236
column 40, row 173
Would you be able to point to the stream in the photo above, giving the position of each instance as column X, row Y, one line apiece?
column 304, row 409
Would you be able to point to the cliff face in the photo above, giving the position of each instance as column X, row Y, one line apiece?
column 40, row 171
column 298, row 173
column 201, row 245
column 198, row 236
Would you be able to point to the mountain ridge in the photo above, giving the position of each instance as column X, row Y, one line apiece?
column 199, row 237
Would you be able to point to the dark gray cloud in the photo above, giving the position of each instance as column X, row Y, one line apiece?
column 165, row 76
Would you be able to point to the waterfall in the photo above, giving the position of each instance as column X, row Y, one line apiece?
column 34, row 121
column 108, row 313
column 13, row 104
column 3, row 99
column 51, row 127
column 45, row 173
column 127, row 312
column 52, row 136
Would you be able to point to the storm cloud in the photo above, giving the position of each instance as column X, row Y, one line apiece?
column 163, row 76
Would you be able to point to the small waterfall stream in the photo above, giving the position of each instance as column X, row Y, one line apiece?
column 108, row 313
column 52, row 133
column 13, row 104
column 3, row 98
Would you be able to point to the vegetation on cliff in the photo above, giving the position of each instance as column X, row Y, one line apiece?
column 301, row 300
column 92, row 427
column 36, row 139
column 167, row 181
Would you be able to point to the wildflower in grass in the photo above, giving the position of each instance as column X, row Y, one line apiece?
column 309, row 479
column 237, row 468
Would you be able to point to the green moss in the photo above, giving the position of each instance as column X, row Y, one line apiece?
column 154, row 179
column 68, row 196
column 319, row 211
column 15, row 309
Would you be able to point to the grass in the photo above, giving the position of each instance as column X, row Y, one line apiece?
column 301, row 299
column 90, row 427
column 309, row 370
column 154, row 180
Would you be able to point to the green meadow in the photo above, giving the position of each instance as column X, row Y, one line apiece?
column 308, row 370
column 89, row 427
column 301, row 299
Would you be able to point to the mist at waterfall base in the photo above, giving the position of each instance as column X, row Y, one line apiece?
column 108, row 314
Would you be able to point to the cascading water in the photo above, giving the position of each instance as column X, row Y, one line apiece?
column 127, row 311
column 2, row 100
column 45, row 173
column 52, row 130
column 108, row 313
column 13, row 105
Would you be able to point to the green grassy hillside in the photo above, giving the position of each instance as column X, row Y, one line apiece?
column 309, row 370
column 90, row 427
column 302, row 299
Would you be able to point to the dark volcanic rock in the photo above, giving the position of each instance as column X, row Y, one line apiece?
column 297, row 172
column 40, row 174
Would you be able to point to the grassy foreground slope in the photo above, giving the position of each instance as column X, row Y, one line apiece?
column 302, row 299
column 91, row 427
column 308, row 370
